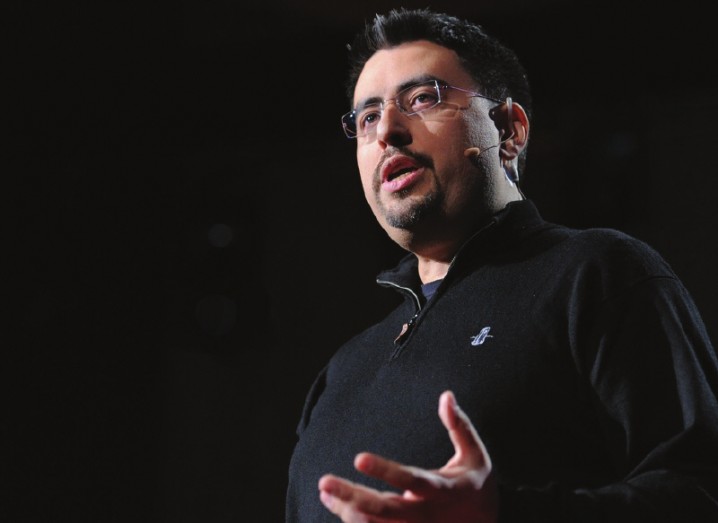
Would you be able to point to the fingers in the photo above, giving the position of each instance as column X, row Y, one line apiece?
column 401, row 476
column 355, row 503
column 468, row 447
column 462, row 486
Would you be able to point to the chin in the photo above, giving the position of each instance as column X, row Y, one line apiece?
column 410, row 213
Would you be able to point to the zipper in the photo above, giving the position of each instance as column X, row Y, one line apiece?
column 407, row 328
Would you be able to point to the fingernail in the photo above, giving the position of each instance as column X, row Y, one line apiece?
column 457, row 409
column 327, row 498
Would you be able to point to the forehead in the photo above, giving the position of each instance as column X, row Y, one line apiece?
column 389, row 68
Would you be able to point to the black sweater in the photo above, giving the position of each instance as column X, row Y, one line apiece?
column 578, row 355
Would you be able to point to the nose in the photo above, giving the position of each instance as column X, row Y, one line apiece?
column 393, row 128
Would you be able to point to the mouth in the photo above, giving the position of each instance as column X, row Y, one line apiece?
column 399, row 173
column 398, row 166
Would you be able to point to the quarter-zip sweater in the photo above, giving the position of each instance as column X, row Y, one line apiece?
column 579, row 356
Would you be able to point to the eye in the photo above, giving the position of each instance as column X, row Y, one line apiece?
column 368, row 118
column 421, row 98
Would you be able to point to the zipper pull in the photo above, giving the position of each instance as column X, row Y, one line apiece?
column 405, row 330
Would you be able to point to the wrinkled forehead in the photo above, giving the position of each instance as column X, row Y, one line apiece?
column 388, row 70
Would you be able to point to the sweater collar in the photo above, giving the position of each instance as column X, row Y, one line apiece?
column 503, row 230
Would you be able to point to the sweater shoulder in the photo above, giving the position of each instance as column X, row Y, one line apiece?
column 615, row 258
column 619, row 248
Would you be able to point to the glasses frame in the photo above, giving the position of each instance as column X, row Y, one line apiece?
column 438, row 85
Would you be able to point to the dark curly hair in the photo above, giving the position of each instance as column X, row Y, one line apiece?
column 493, row 66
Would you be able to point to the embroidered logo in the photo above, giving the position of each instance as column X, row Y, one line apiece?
column 480, row 338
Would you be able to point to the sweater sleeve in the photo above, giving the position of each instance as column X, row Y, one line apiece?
column 652, row 371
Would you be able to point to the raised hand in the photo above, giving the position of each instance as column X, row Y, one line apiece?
column 462, row 491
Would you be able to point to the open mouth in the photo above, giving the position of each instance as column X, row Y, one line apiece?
column 398, row 166
column 396, row 174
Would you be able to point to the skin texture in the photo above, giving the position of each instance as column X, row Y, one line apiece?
column 452, row 194
column 444, row 194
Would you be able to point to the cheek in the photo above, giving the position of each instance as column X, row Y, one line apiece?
column 369, row 193
column 366, row 165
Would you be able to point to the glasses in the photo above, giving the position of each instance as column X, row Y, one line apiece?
column 413, row 100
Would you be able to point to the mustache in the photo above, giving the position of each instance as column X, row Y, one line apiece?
column 421, row 159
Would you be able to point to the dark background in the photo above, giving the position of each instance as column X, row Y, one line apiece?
column 189, row 242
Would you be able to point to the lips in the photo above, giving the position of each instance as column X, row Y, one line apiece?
column 399, row 173
column 396, row 166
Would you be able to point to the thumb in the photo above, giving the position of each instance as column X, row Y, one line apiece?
column 469, row 450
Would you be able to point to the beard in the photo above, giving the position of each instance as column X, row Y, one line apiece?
column 413, row 212
column 405, row 211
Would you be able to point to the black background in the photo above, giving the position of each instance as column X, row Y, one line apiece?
column 189, row 242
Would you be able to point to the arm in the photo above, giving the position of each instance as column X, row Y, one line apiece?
column 648, row 361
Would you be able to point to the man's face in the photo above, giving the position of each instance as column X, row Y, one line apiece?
column 414, row 173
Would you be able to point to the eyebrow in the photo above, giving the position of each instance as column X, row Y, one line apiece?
column 376, row 100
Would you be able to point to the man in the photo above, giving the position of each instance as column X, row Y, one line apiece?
column 586, row 379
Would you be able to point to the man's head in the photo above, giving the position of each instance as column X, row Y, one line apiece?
column 494, row 67
column 425, row 88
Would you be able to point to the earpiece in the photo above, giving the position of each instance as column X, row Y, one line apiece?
column 512, row 174
column 476, row 151
column 509, row 109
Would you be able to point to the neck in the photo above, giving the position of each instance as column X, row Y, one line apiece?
column 435, row 252
column 432, row 270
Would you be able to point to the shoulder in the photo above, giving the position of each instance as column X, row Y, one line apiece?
column 618, row 249
column 570, row 249
column 612, row 260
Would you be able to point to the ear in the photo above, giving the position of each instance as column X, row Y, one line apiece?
column 513, row 125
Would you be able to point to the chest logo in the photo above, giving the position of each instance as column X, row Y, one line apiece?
column 481, row 337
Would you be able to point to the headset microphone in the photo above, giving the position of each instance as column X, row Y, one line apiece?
column 476, row 151
column 511, row 172
column 472, row 151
